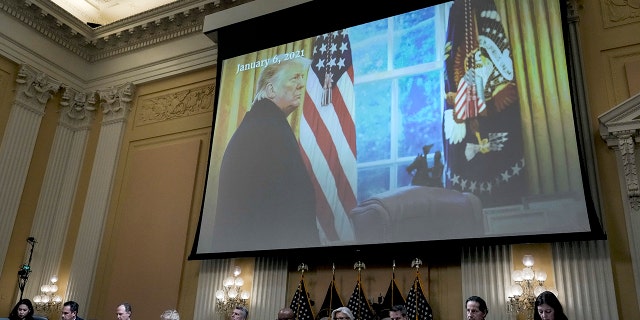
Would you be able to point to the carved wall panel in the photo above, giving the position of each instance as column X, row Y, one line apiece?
column 620, row 12
column 179, row 104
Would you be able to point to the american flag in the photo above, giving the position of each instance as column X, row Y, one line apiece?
column 301, row 304
column 359, row 305
column 331, row 301
column 417, row 306
column 328, row 133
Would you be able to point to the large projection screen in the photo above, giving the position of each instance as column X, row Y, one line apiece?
column 426, row 122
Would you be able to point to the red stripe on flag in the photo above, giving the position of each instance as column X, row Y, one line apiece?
column 330, row 153
column 346, row 122
column 323, row 209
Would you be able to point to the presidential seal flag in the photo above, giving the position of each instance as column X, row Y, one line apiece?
column 482, row 127
column 328, row 134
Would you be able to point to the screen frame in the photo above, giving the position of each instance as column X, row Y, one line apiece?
column 237, row 35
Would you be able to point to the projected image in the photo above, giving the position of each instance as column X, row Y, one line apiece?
column 440, row 123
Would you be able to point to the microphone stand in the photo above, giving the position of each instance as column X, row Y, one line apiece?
column 25, row 269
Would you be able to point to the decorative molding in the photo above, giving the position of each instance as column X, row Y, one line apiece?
column 616, row 13
column 616, row 63
column 169, row 22
column 116, row 102
column 79, row 108
column 621, row 118
column 620, row 128
column 175, row 105
column 626, row 145
column 34, row 89
column 573, row 7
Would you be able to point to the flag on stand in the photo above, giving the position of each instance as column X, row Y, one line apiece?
column 301, row 304
column 331, row 301
column 328, row 134
column 417, row 306
column 391, row 298
column 359, row 305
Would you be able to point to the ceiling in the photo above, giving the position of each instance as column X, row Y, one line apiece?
column 96, row 30
column 103, row 12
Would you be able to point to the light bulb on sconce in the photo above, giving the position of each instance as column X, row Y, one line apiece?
column 48, row 300
column 231, row 295
column 528, row 284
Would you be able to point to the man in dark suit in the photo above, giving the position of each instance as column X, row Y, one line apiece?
column 70, row 311
column 266, row 197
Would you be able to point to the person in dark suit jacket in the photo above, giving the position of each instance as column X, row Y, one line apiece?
column 266, row 197
column 70, row 311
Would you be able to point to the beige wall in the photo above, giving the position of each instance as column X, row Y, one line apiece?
column 161, row 171
column 156, row 200
column 611, row 48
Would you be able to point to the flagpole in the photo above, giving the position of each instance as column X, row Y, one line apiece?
column 393, row 271
column 416, row 263
column 418, row 307
column 333, row 283
column 302, row 268
column 359, row 266
column 301, row 304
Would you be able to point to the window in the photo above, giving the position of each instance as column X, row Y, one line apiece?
column 398, row 83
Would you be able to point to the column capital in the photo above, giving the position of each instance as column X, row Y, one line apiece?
column 34, row 88
column 78, row 108
column 116, row 102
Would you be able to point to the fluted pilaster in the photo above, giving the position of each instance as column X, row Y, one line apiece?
column 115, row 106
column 34, row 90
column 212, row 273
column 269, row 287
column 59, row 186
column 486, row 272
column 584, row 279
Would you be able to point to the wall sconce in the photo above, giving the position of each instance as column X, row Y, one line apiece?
column 528, row 285
column 48, row 300
column 231, row 295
